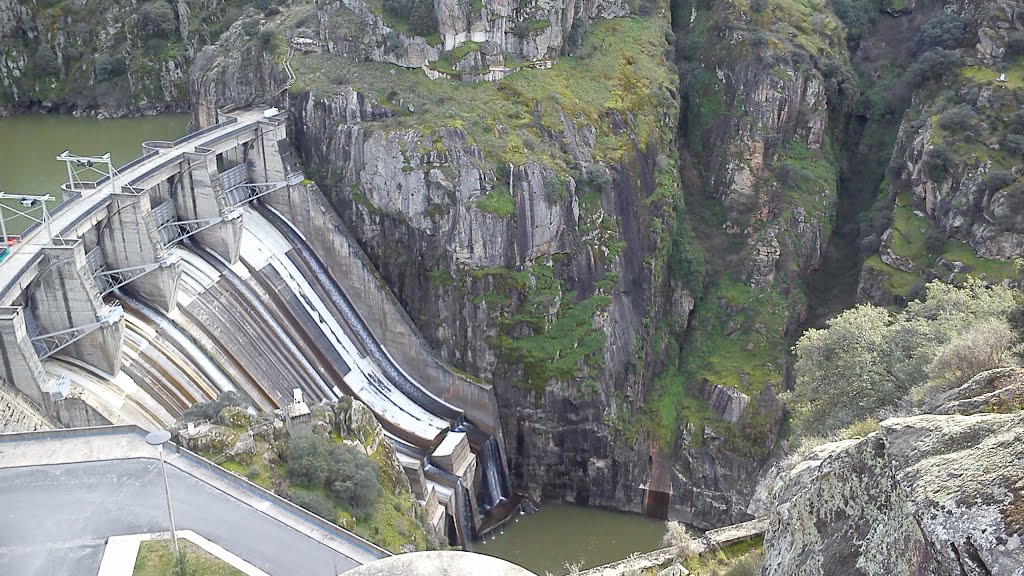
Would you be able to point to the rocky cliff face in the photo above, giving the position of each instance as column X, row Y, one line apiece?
column 118, row 58
column 519, row 228
column 953, row 181
column 931, row 494
column 536, row 231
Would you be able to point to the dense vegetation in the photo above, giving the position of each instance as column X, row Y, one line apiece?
column 871, row 361
column 347, row 476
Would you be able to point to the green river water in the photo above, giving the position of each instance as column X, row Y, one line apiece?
column 544, row 542
column 559, row 534
column 30, row 143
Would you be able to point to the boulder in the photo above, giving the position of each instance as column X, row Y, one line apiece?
column 941, row 495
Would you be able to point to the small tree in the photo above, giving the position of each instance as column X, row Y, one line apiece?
column 354, row 479
column 938, row 162
column 998, row 179
column 1015, row 44
column 157, row 19
column 947, row 30
column 422, row 19
column 211, row 409
column 46, row 61
column 308, row 460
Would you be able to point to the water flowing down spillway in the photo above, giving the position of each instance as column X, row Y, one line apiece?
column 391, row 370
column 265, row 247
column 182, row 342
column 493, row 471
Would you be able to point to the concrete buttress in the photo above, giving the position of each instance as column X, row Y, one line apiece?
column 21, row 366
column 130, row 239
column 65, row 297
column 202, row 197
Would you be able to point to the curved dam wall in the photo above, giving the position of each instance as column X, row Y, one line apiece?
column 311, row 213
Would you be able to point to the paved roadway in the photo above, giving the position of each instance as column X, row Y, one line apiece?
column 54, row 520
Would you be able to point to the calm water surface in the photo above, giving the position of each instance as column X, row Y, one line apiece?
column 29, row 143
column 559, row 533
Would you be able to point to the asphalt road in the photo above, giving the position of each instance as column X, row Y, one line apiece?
column 54, row 520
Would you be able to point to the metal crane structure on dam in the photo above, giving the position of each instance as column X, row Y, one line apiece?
column 209, row 264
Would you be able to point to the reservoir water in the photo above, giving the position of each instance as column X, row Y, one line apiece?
column 560, row 534
column 29, row 144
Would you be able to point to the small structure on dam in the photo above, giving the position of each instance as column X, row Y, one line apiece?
column 209, row 265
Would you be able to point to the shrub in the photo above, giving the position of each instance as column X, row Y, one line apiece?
column 345, row 471
column 210, row 410
column 110, row 66
column 1016, row 122
column 354, row 479
column 986, row 346
column 596, row 178
column 933, row 65
column 856, row 15
column 46, row 62
column 266, row 37
column 554, row 190
column 998, row 180
column 422, row 19
column 860, row 428
column 934, row 240
column 253, row 472
column 272, row 10
column 947, row 30
column 959, row 119
column 315, row 502
column 251, row 27
column 157, row 19
column 679, row 537
column 1015, row 319
column 1014, row 201
column 398, row 8
column 1014, row 143
column 938, row 162
column 308, row 460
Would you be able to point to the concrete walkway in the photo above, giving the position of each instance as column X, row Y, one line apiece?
column 72, row 476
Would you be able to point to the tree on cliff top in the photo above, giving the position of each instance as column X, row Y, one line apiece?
column 869, row 360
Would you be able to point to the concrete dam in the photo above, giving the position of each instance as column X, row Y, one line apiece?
column 210, row 264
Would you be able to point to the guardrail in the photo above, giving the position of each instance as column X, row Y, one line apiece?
column 207, row 130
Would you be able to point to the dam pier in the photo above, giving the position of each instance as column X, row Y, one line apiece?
column 210, row 264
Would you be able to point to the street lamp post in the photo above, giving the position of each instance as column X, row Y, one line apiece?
column 158, row 438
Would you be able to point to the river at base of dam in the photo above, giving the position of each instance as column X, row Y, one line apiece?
column 29, row 144
column 561, row 535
